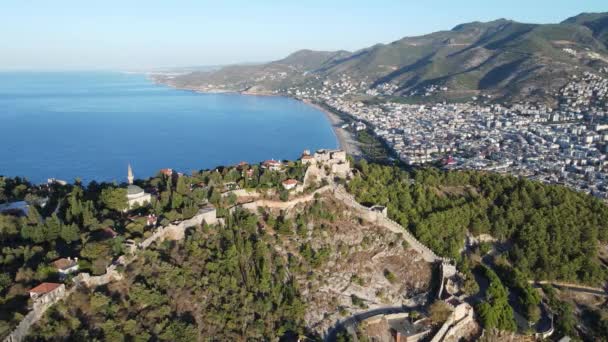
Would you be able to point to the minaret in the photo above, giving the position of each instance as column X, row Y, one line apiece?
column 130, row 175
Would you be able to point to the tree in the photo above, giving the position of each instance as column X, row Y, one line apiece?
column 439, row 312
column 5, row 281
column 9, row 227
column 495, row 311
column 114, row 198
column 70, row 233
column 182, row 187
column 54, row 228
column 284, row 195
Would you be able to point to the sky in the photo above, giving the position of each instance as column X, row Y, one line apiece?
column 144, row 34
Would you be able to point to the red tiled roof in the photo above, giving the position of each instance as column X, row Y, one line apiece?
column 45, row 288
column 290, row 181
column 167, row 172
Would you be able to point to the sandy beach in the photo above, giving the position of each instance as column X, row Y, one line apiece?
column 346, row 139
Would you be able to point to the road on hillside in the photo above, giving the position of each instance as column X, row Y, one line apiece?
column 575, row 288
column 353, row 320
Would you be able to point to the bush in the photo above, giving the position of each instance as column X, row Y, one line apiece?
column 439, row 312
column 390, row 276
column 358, row 301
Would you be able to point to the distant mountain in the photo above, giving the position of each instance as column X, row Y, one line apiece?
column 504, row 58
column 308, row 60
column 283, row 73
column 596, row 22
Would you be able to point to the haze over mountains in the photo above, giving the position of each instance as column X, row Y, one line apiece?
column 502, row 58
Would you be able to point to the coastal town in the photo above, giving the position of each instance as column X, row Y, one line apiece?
column 304, row 172
column 566, row 145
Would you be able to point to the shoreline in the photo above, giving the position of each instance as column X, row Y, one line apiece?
column 345, row 139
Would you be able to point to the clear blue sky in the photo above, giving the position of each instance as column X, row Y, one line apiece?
column 122, row 34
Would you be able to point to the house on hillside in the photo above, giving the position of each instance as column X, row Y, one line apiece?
column 66, row 266
column 289, row 184
column 272, row 165
column 167, row 172
column 46, row 292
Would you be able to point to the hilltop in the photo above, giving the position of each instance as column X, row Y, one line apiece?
column 502, row 58
column 307, row 248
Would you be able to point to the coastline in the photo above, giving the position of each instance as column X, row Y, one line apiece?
column 346, row 140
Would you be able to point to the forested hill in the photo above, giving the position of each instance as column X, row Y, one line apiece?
column 503, row 58
column 548, row 232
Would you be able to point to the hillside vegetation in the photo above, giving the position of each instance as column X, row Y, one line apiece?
column 504, row 58
column 262, row 276
column 550, row 232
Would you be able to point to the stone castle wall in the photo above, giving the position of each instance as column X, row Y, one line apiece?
column 380, row 219
column 39, row 308
column 172, row 232
column 177, row 231
column 367, row 214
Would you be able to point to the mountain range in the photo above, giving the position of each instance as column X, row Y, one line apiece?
column 502, row 58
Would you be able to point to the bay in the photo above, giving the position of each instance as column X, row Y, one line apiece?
column 90, row 125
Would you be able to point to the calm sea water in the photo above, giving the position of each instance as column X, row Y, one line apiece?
column 91, row 125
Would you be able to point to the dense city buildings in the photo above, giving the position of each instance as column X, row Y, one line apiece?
column 565, row 145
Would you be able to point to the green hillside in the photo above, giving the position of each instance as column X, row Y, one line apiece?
column 504, row 58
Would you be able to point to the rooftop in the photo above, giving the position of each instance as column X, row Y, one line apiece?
column 45, row 288
column 64, row 263
column 134, row 190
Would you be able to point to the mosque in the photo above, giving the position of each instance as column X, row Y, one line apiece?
column 136, row 196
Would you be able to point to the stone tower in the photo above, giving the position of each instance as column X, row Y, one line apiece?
column 130, row 175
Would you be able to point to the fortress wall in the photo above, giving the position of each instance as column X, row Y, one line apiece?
column 241, row 193
column 172, row 232
column 40, row 307
column 386, row 222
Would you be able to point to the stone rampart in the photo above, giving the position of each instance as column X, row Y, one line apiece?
column 386, row 222
column 271, row 204
column 177, row 231
column 241, row 193
column 85, row 279
column 172, row 231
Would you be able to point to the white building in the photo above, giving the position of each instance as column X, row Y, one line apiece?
column 136, row 196
column 289, row 184
column 66, row 266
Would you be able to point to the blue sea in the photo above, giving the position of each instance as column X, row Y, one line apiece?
column 90, row 125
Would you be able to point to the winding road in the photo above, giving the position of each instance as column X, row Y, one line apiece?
column 351, row 321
